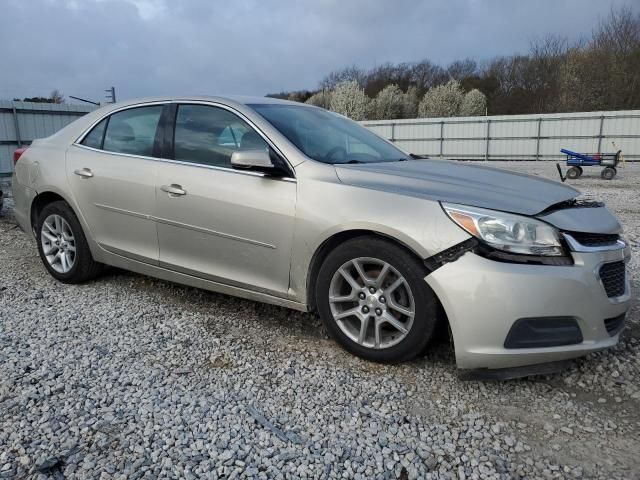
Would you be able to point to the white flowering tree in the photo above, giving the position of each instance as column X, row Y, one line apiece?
column 410, row 101
column 473, row 103
column 320, row 99
column 388, row 104
column 349, row 99
column 442, row 101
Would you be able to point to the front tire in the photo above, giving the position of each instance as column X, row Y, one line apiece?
column 372, row 297
column 62, row 245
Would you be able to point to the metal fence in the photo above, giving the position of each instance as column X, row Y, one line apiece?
column 515, row 137
column 21, row 122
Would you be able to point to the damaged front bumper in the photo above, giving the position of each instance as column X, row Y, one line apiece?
column 505, row 315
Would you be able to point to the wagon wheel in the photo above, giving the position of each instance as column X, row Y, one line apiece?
column 574, row 172
column 608, row 173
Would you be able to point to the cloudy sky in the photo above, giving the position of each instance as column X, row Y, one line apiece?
column 157, row 47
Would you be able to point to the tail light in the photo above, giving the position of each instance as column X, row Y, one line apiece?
column 17, row 154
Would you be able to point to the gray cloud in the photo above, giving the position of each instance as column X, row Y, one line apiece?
column 149, row 47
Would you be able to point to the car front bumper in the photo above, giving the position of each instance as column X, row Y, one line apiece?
column 483, row 299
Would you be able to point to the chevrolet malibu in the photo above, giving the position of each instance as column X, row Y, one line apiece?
column 289, row 204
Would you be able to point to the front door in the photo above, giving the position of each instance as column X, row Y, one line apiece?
column 233, row 227
column 112, row 177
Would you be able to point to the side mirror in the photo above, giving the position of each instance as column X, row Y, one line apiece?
column 252, row 160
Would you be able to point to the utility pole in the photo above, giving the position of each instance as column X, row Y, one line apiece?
column 111, row 94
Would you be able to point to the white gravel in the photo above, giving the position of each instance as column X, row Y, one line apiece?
column 131, row 377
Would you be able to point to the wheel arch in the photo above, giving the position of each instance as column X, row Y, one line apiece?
column 333, row 241
column 41, row 200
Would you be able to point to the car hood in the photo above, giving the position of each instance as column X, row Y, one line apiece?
column 457, row 182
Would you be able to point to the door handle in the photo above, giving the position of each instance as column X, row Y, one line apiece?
column 173, row 190
column 83, row 172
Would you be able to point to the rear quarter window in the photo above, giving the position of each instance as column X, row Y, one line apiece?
column 94, row 138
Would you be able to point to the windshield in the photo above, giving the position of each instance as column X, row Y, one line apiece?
column 328, row 137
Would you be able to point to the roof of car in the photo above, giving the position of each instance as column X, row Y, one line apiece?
column 240, row 99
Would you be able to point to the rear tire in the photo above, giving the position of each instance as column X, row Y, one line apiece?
column 370, row 304
column 59, row 234
column 608, row 173
column 574, row 172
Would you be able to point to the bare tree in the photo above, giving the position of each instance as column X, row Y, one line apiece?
column 461, row 69
column 425, row 75
column 56, row 96
column 347, row 74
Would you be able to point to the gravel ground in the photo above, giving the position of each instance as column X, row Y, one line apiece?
column 130, row 377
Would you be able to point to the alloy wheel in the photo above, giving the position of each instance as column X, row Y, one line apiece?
column 58, row 243
column 371, row 302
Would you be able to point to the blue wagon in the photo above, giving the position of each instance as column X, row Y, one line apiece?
column 578, row 160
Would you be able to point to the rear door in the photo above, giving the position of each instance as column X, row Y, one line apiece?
column 215, row 222
column 112, row 176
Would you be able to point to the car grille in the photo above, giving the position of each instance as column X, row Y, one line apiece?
column 612, row 276
column 595, row 239
column 615, row 324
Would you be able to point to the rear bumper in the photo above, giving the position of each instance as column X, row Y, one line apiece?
column 22, row 198
column 483, row 299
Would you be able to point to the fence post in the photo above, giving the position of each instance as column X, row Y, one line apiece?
column 16, row 124
column 441, row 138
column 538, row 139
column 486, row 152
column 600, row 134
column 393, row 132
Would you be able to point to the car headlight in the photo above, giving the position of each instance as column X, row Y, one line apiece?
column 507, row 232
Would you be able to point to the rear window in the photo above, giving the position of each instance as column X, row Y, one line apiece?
column 133, row 131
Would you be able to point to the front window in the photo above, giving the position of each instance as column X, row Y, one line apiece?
column 328, row 137
column 209, row 135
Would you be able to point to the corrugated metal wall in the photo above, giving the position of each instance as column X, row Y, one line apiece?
column 515, row 137
column 21, row 122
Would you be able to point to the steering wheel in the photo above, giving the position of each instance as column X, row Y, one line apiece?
column 333, row 151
